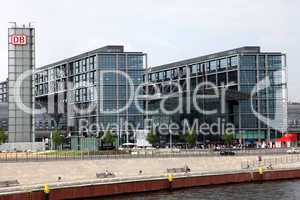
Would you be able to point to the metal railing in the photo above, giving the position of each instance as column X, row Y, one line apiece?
column 271, row 162
column 97, row 155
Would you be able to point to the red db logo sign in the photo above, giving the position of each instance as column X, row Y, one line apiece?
column 19, row 39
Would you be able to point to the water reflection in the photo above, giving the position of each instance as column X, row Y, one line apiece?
column 286, row 190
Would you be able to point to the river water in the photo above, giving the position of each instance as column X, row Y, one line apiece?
column 285, row 190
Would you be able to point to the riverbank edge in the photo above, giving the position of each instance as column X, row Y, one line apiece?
column 92, row 189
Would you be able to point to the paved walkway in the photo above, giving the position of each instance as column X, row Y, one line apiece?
column 48, row 172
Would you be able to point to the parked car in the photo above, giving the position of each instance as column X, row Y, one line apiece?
column 293, row 150
column 227, row 152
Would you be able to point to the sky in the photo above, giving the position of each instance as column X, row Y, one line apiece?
column 167, row 30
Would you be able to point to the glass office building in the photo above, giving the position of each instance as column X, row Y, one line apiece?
column 93, row 81
column 90, row 80
column 240, row 70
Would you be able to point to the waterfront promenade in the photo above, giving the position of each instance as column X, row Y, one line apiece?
column 75, row 179
column 30, row 173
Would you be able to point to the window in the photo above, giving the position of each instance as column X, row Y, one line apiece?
column 194, row 68
column 135, row 61
column 201, row 67
column 233, row 61
column 92, row 92
column 84, row 94
column 77, row 95
column 222, row 79
column 249, row 121
column 106, row 61
column 58, row 72
column 232, row 77
column 174, row 73
column 92, row 77
column 262, row 75
column 168, row 74
column 109, row 92
column 36, row 78
column 182, row 72
column 83, row 77
column 248, row 77
column 157, row 76
column 121, row 62
column 161, row 76
column 63, row 70
column 45, row 76
column 248, row 62
column 76, row 67
column 153, row 77
column 40, row 89
column 109, row 78
column 262, row 62
column 46, row 88
column 77, row 78
column 274, row 62
column 212, row 79
column 207, row 67
column 36, row 90
column 213, row 65
column 40, row 78
column 165, row 75
column 84, row 68
column 275, row 77
column 223, row 63
column 71, row 68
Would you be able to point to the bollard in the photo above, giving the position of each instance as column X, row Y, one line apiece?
column 261, row 174
column 261, row 170
column 170, row 180
column 46, row 191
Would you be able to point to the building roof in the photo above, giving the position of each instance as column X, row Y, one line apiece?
column 245, row 49
column 105, row 49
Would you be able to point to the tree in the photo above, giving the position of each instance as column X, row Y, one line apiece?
column 3, row 136
column 191, row 138
column 152, row 138
column 108, row 138
column 57, row 138
column 228, row 138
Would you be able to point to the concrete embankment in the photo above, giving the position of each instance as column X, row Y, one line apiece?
column 90, row 189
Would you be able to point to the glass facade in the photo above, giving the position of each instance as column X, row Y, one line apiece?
column 271, row 102
column 91, row 80
column 21, row 58
column 240, row 70
column 221, row 72
column 114, row 90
